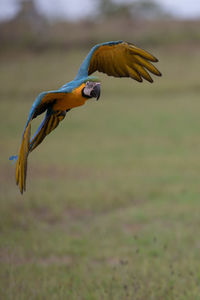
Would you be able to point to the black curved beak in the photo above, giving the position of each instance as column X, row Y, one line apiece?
column 96, row 92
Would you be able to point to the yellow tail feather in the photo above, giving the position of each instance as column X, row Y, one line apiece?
column 21, row 168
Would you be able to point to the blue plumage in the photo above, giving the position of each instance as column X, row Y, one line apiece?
column 83, row 70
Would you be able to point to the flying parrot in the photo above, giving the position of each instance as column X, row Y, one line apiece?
column 115, row 58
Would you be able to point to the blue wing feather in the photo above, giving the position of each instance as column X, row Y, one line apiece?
column 83, row 70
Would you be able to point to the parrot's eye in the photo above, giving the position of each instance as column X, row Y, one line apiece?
column 89, row 84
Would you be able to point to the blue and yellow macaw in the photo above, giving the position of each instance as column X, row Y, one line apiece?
column 118, row 59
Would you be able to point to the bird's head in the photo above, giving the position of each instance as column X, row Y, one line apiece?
column 92, row 89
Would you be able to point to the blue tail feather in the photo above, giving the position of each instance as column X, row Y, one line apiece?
column 14, row 158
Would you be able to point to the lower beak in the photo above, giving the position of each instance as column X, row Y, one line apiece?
column 96, row 92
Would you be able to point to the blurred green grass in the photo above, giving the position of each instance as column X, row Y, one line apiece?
column 112, row 203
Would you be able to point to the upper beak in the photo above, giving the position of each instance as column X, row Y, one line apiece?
column 96, row 92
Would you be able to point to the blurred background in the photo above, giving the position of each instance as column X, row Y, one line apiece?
column 41, row 25
column 112, row 205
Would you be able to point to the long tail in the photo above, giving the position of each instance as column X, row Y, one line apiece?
column 49, row 123
column 21, row 168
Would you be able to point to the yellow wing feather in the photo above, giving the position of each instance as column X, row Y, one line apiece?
column 49, row 125
column 124, row 60
column 27, row 146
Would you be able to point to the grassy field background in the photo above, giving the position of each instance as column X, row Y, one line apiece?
column 112, row 203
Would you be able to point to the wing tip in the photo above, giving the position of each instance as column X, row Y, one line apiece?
column 155, row 59
column 150, row 80
column 158, row 73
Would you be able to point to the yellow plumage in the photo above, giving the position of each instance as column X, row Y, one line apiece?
column 124, row 60
column 21, row 167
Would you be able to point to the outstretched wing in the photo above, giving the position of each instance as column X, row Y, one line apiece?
column 119, row 59
column 43, row 102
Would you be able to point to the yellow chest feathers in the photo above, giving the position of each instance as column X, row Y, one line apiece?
column 69, row 100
